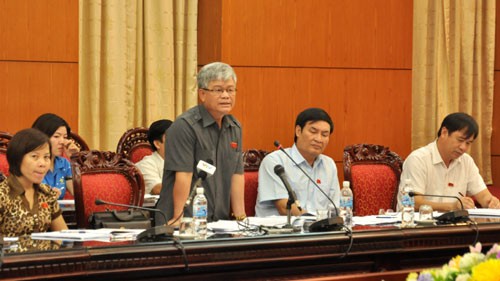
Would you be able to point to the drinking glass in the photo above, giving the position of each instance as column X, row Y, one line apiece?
column 321, row 214
column 425, row 213
column 186, row 228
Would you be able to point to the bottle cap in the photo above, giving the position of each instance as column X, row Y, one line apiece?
column 199, row 190
column 345, row 183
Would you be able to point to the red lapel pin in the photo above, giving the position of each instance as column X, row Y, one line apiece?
column 234, row 145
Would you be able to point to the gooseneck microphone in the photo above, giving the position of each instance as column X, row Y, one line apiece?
column 333, row 223
column 157, row 233
column 448, row 217
column 280, row 172
column 278, row 145
column 412, row 194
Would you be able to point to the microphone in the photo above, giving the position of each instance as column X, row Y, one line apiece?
column 280, row 171
column 448, row 217
column 157, row 233
column 205, row 169
column 334, row 223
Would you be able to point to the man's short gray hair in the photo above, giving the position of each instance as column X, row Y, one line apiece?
column 215, row 71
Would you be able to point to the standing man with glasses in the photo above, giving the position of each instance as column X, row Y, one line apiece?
column 205, row 132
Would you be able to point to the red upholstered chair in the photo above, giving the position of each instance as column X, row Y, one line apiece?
column 134, row 145
column 4, row 140
column 374, row 173
column 251, row 160
column 105, row 175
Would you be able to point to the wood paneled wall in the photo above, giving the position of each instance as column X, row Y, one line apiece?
column 352, row 58
column 38, row 61
column 495, row 137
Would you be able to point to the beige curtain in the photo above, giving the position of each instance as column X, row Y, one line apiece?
column 137, row 64
column 453, row 64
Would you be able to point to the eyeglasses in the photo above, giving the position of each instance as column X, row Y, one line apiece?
column 220, row 91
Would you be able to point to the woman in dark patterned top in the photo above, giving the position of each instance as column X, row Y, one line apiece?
column 26, row 205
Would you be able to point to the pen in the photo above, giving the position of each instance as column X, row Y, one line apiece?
column 461, row 194
column 74, row 231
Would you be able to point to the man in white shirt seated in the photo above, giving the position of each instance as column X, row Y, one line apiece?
column 444, row 168
column 313, row 127
column 151, row 166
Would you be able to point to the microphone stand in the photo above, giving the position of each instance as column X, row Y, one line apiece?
column 289, row 212
column 329, row 224
column 157, row 233
column 455, row 216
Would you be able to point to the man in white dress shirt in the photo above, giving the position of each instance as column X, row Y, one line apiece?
column 151, row 166
column 444, row 168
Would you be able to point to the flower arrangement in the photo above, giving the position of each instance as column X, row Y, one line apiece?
column 473, row 266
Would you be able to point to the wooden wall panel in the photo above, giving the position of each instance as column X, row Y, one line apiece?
column 367, row 106
column 495, row 138
column 30, row 89
column 320, row 33
column 352, row 58
column 495, row 135
column 39, row 30
column 38, row 61
column 209, row 30
column 497, row 38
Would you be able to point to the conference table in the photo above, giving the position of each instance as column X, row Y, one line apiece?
column 379, row 250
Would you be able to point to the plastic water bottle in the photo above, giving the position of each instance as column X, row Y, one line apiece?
column 408, row 213
column 346, row 203
column 200, row 211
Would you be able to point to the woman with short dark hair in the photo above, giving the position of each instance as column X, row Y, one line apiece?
column 57, row 129
column 26, row 204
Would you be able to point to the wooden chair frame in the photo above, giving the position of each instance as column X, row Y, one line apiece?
column 131, row 140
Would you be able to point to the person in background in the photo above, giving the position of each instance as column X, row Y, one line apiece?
column 26, row 204
column 205, row 132
column 57, row 129
column 151, row 166
column 313, row 128
column 444, row 168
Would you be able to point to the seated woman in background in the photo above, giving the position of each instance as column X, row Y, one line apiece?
column 57, row 129
column 26, row 204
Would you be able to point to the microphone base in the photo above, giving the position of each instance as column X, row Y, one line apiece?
column 330, row 224
column 155, row 234
column 278, row 231
column 453, row 217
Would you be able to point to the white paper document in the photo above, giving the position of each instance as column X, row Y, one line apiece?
column 377, row 220
column 484, row 212
column 103, row 234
